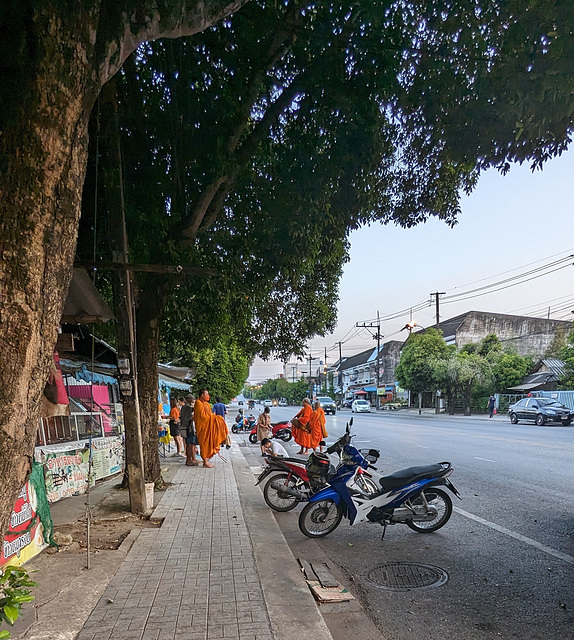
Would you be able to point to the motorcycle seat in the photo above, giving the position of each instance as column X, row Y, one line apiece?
column 299, row 461
column 411, row 474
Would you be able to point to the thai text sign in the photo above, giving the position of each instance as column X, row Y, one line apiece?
column 66, row 473
column 24, row 538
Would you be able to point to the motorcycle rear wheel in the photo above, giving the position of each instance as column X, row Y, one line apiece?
column 439, row 499
column 286, row 436
column 320, row 518
column 274, row 498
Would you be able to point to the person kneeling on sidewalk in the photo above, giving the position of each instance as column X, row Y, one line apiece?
column 273, row 448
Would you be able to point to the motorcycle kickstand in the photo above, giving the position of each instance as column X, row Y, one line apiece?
column 384, row 531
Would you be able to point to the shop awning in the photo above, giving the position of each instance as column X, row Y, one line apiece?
column 169, row 383
column 83, row 302
column 526, row 387
column 370, row 389
column 358, row 392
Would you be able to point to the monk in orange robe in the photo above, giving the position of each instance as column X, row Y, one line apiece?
column 302, row 434
column 317, row 423
column 210, row 428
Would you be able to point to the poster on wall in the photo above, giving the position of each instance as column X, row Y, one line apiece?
column 66, row 473
column 26, row 535
column 107, row 457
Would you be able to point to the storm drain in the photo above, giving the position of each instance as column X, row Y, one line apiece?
column 404, row 576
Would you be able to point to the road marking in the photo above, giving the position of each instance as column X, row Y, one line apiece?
column 517, row 536
column 362, row 441
column 421, row 446
column 485, row 459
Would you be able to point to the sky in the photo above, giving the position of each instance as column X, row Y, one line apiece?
column 509, row 225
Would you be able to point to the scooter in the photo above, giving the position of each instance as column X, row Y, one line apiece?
column 243, row 425
column 294, row 480
column 411, row 496
column 281, row 431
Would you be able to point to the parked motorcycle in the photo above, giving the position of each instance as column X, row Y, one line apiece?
column 281, row 431
column 294, row 480
column 410, row 496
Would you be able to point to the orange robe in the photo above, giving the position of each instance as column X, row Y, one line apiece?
column 302, row 438
column 317, row 424
column 210, row 429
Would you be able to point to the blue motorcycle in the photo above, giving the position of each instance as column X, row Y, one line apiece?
column 357, row 492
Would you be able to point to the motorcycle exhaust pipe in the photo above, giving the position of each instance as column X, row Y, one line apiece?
column 281, row 488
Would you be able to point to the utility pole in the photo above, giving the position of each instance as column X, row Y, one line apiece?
column 124, row 309
column 376, row 337
column 436, row 295
column 310, row 383
column 340, row 367
column 325, row 371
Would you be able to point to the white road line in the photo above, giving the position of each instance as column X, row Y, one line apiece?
column 517, row 536
column 362, row 441
column 421, row 446
column 485, row 459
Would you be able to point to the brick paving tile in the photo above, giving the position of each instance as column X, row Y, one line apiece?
column 192, row 579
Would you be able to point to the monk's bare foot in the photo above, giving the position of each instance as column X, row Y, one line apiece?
column 207, row 464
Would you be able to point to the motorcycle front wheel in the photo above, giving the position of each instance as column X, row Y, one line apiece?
column 438, row 499
column 275, row 498
column 286, row 436
column 320, row 518
column 253, row 438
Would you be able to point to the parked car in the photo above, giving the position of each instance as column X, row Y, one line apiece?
column 361, row 406
column 327, row 404
column 540, row 411
column 267, row 403
column 282, row 402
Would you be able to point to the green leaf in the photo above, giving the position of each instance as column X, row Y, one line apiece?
column 4, row 635
column 11, row 612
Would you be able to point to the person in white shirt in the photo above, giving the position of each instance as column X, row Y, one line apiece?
column 273, row 448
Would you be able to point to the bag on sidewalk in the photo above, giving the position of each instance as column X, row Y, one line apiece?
column 494, row 411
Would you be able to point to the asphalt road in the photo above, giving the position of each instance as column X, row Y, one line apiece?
column 508, row 549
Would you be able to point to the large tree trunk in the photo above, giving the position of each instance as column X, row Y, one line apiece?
column 150, row 307
column 54, row 59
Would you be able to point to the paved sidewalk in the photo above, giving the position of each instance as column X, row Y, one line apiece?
column 217, row 568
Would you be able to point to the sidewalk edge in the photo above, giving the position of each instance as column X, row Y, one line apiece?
column 292, row 610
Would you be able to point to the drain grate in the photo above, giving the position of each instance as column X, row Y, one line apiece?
column 404, row 576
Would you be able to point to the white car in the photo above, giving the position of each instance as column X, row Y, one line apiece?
column 360, row 406
column 267, row 403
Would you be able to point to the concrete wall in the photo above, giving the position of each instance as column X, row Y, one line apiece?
column 389, row 360
column 528, row 336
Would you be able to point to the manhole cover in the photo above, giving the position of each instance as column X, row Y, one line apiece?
column 403, row 576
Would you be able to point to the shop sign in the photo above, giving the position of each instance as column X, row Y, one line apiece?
column 66, row 473
column 107, row 457
column 24, row 538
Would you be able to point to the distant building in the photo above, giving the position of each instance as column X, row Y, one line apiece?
column 356, row 375
column 527, row 336
column 545, row 376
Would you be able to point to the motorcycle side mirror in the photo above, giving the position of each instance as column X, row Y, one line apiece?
column 351, row 422
column 374, row 454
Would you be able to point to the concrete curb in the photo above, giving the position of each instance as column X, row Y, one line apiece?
column 292, row 610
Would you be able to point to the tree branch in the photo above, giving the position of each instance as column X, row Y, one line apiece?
column 146, row 20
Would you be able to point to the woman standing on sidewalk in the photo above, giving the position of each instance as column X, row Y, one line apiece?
column 210, row 428
column 264, row 427
column 174, row 426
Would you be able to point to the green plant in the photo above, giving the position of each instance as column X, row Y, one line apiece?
column 15, row 585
